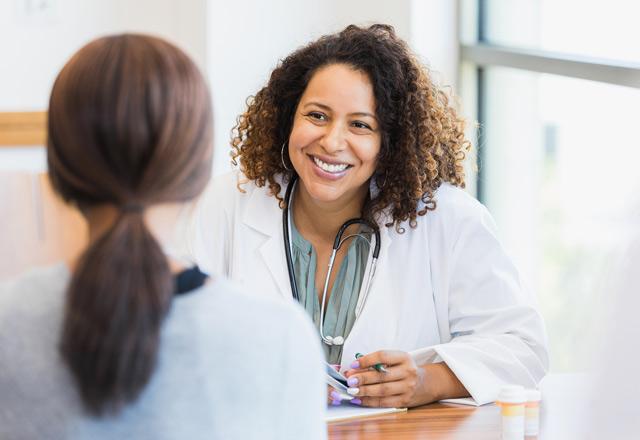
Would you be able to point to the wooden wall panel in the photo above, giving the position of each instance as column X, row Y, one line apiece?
column 23, row 128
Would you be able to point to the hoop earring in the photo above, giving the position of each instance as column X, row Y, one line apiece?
column 384, row 183
column 282, row 157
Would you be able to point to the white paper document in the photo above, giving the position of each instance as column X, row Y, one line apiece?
column 347, row 411
column 461, row 401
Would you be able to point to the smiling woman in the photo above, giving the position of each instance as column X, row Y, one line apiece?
column 356, row 130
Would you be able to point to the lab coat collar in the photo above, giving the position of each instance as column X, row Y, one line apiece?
column 264, row 215
column 263, row 211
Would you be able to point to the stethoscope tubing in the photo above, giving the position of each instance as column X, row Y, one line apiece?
column 286, row 227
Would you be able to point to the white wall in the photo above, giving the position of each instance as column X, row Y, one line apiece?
column 247, row 38
column 34, row 48
column 238, row 42
column 434, row 37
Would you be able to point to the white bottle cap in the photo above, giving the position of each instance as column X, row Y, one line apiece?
column 533, row 395
column 512, row 394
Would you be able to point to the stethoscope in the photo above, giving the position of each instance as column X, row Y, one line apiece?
column 286, row 226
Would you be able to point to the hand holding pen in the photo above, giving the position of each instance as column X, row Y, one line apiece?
column 386, row 378
column 336, row 397
column 378, row 367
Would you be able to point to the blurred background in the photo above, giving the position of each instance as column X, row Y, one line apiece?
column 551, row 90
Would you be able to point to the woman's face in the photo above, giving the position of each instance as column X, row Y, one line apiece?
column 335, row 139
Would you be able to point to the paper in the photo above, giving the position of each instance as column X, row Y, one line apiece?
column 347, row 411
column 461, row 401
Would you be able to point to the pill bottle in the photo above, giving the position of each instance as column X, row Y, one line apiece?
column 532, row 413
column 511, row 401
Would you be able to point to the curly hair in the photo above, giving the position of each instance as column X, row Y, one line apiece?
column 422, row 137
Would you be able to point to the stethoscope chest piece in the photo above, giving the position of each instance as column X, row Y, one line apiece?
column 330, row 340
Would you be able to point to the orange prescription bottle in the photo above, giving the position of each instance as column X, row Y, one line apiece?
column 512, row 406
column 532, row 413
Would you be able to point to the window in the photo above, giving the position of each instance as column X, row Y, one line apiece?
column 558, row 144
column 607, row 30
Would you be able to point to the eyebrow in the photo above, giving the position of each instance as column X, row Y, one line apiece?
column 326, row 107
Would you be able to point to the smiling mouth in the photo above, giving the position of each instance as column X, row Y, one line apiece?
column 330, row 167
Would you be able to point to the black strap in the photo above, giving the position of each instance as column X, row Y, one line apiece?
column 189, row 279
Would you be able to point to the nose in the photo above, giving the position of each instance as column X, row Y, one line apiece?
column 334, row 139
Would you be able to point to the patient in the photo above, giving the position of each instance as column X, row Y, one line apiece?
column 125, row 341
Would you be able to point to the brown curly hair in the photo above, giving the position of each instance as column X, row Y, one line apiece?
column 422, row 142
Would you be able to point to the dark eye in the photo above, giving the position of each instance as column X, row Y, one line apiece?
column 317, row 116
column 360, row 124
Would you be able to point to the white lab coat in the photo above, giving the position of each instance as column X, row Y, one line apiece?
column 443, row 291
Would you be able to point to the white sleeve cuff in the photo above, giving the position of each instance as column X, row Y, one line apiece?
column 482, row 384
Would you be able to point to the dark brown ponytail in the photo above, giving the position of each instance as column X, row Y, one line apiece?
column 129, row 126
column 117, row 299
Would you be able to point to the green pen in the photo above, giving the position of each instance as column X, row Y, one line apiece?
column 378, row 367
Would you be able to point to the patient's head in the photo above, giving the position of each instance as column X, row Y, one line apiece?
column 130, row 126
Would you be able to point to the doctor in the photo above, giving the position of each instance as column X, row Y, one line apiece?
column 353, row 127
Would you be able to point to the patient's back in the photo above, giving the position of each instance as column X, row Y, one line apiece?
column 230, row 366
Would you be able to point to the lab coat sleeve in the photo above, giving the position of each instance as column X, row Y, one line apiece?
column 497, row 335
column 205, row 229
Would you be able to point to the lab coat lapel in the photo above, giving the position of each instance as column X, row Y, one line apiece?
column 265, row 216
column 272, row 253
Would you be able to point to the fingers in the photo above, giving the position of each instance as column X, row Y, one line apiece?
column 392, row 388
column 334, row 398
column 379, row 389
column 385, row 402
column 385, row 357
column 366, row 377
column 384, row 395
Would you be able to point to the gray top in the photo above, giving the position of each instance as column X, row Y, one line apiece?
column 230, row 366
column 340, row 308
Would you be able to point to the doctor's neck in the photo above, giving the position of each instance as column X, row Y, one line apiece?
column 324, row 218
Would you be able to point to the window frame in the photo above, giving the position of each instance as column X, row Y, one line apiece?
column 479, row 54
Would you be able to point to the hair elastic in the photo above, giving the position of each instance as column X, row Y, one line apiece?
column 132, row 207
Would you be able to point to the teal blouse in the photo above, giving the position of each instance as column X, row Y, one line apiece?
column 341, row 304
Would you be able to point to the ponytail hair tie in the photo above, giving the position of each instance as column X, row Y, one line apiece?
column 132, row 207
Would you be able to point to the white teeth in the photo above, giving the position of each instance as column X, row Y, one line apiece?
column 330, row 167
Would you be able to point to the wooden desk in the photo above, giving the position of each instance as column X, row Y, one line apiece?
column 560, row 415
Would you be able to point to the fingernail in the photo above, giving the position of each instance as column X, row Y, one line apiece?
column 352, row 381
column 335, row 395
column 353, row 391
column 355, row 365
column 356, row 401
column 336, row 402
